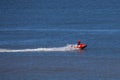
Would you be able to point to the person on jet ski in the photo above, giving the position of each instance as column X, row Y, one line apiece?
column 78, row 42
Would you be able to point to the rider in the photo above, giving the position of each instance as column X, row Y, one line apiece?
column 78, row 42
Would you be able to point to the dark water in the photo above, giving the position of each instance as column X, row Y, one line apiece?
column 52, row 24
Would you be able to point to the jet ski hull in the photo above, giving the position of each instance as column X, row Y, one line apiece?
column 81, row 46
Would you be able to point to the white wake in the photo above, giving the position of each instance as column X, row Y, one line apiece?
column 65, row 48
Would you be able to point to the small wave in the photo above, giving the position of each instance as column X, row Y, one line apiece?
column 62, row 30
column 65, row 48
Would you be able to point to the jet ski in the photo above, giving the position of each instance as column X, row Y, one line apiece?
column 81, row 46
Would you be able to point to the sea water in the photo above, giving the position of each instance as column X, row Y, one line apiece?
column 36, row 38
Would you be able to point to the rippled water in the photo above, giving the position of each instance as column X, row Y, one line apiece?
column 35, row 40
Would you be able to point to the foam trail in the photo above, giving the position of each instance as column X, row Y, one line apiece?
column 65, row 48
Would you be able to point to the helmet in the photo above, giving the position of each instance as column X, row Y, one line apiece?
column 78, row 40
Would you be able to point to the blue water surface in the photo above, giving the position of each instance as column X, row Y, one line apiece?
column 32, row 24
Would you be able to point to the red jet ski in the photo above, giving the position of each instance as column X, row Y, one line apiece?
column 81, row 46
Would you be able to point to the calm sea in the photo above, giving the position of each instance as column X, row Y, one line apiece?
column 35, row 39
